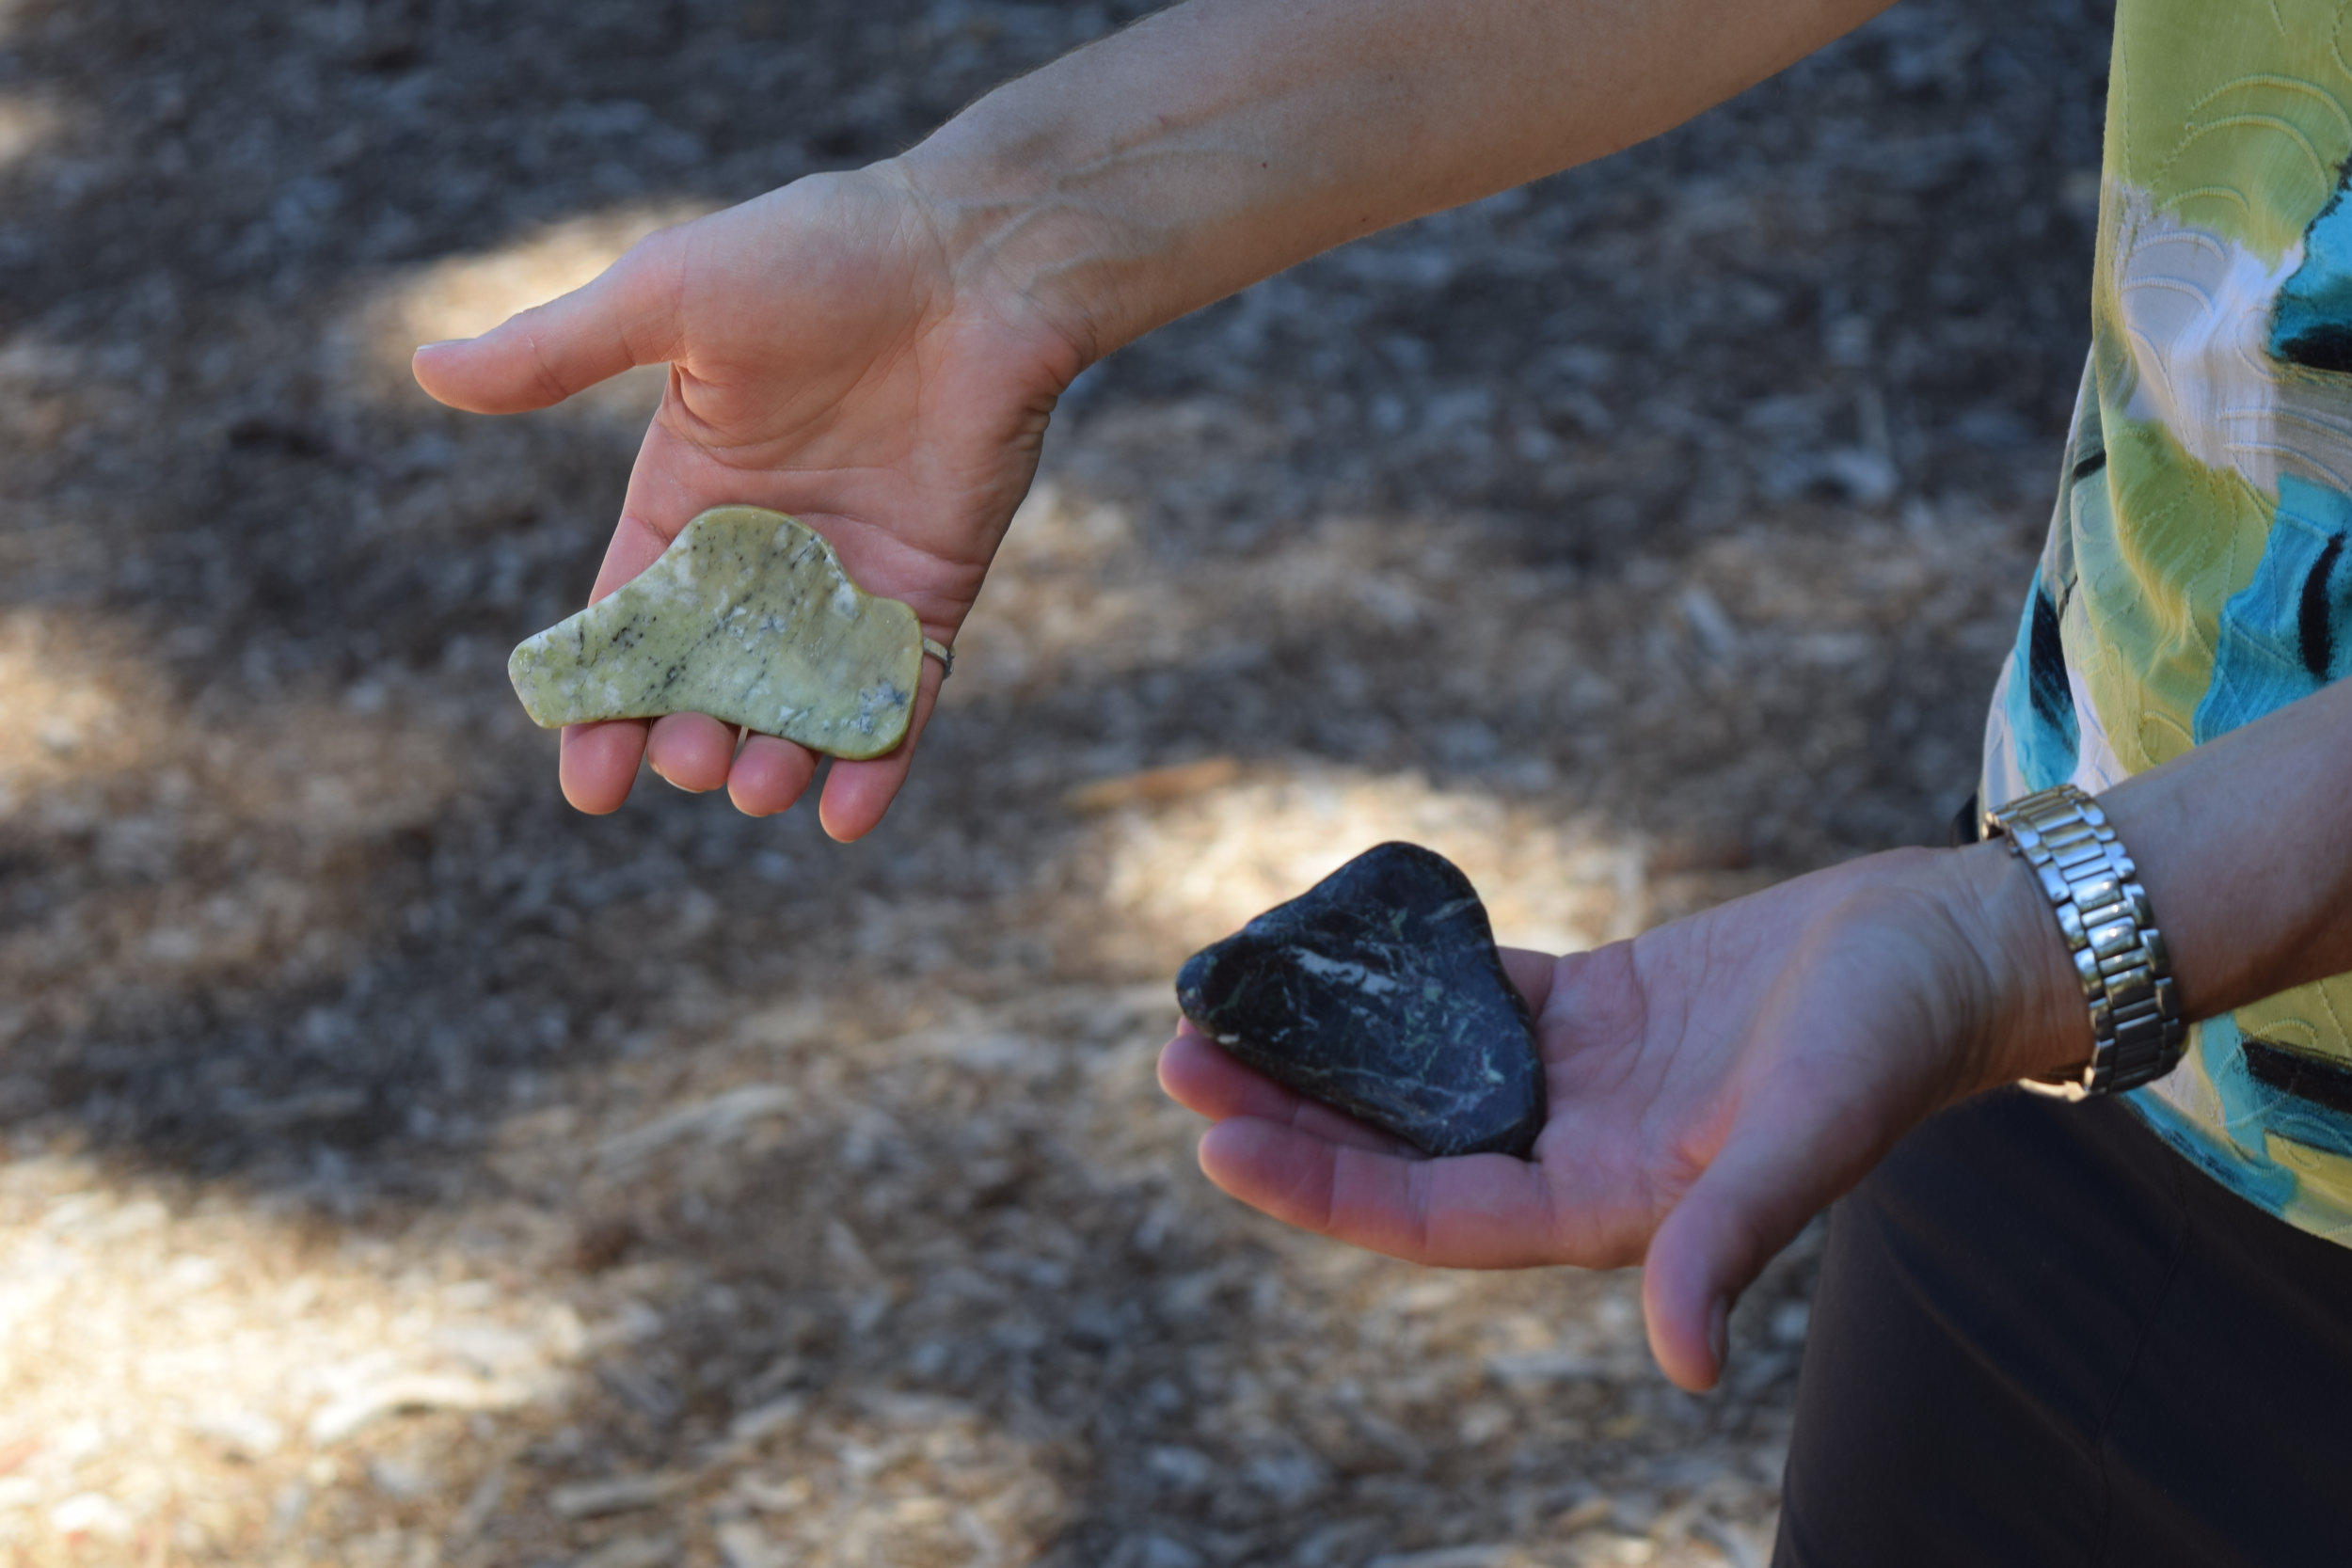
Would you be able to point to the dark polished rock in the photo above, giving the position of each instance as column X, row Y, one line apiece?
column 1379, row 991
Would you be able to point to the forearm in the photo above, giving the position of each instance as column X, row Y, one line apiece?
column 2245, row 846
column 1222, row 140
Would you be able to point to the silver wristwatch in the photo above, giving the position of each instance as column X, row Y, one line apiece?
column 2102, row 912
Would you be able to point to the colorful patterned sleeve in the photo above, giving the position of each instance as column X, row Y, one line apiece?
column 2194, row 576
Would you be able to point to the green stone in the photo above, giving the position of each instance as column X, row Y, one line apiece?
column 748, row 617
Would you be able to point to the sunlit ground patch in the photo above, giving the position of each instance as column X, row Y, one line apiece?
column 26, row 124
column 1201, row 865
column 185, row 1376
column 61, row 711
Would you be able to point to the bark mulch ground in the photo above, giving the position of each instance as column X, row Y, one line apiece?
column 400, row 1170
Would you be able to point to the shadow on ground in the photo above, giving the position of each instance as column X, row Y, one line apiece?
column 398, row 1160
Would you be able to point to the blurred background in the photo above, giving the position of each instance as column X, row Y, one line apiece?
column 399, row 1169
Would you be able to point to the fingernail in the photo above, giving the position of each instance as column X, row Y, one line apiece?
column 1718, row 1332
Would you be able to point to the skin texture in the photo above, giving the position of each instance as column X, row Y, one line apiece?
column 879, row 352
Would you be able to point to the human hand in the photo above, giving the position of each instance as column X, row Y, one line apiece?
column 829, row 358
column 1713, row 1084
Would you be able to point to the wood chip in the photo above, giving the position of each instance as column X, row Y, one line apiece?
column 707, row 1123
column 634, row 1551
column 1491, row 1556
column 336, row 1422
column 591, row 1499
column 1153, row 785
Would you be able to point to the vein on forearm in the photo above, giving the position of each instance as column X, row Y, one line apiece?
column 1222, row 140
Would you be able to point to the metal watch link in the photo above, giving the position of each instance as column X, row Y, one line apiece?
column 2103, row 913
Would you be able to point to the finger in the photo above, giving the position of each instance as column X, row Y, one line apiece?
column 1751, row 1201
column 692, row 750
column 769, row 775
column 858, row 793
column 1210, row 1082
column 599, row 763
column 1529, row 974
column 1474, row 1212
column 1207, row 1081
column 627, row 316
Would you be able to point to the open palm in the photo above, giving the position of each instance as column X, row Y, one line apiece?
column 1713, row 1084
column 823, row 362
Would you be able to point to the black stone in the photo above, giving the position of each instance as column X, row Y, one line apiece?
column 1379, row 991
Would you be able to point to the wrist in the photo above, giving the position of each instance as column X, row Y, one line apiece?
column 2036, row 1019
column 1185, row 158
column 1014, row 241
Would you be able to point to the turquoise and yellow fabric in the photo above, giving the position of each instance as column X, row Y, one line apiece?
column 2194, row 576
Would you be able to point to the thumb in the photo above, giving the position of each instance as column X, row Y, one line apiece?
column 627, row 316
column 1770, row 1178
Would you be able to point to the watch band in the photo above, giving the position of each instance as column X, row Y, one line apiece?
column 2111, row 934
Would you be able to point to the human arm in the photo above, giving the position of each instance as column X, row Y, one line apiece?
column 1220, row 141
column 880, row 351
column 1716, row 1081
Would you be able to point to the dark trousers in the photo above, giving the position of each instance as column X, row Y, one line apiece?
column 2043, row 1338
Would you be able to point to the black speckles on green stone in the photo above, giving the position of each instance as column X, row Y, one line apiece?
column 1379, row 991
column 748, row 617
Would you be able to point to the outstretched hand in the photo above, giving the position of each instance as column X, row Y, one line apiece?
column 825, row 360
column 1713, row 1084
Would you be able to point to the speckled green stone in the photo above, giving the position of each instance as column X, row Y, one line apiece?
column 748, row 617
